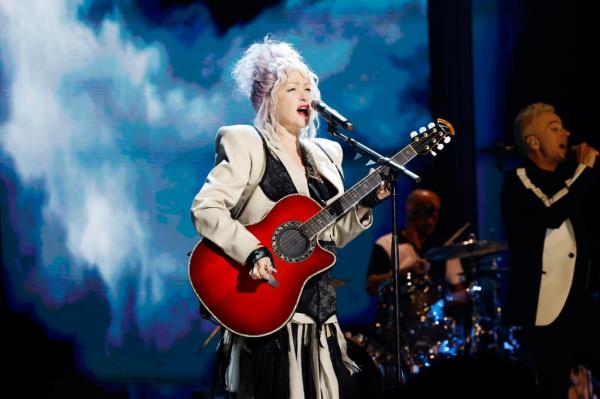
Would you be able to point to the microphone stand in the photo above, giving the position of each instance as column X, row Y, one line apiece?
column 394, row 171
column 373, row 155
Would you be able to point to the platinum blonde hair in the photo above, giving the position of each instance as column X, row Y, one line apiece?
column 523, row 127
column 259, row 73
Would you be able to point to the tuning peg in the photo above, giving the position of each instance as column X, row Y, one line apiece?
column 447, row 139
column 433, row 153
column 413, row 134
column 357, row 156
column 440, row 147
column 431, row 125
column 370, row 163
column 422, row 129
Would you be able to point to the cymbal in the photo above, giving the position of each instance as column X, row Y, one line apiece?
column 465, row 249
column 488, row 272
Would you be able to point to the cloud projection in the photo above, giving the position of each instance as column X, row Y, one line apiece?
column 107, row 122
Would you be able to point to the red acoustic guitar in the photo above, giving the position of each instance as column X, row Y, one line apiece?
column 254, row 308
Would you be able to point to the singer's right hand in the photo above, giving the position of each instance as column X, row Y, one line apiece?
column 263, row 269
column 586, row 154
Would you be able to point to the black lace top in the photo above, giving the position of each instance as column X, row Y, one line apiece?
column 318, row 299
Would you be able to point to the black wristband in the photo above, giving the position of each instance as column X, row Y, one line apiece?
column 257, row 254
column 371, row 200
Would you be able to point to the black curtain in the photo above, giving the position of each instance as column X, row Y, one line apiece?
column 452, row 173
column 553, row 63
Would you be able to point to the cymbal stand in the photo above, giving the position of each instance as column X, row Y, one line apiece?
column 476, row 329
column 496, row 330
column 474, row 291
column 503, row 337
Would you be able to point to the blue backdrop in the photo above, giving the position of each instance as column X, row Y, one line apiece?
column 108, row 111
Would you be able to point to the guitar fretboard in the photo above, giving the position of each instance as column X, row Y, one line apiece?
column 321, row 220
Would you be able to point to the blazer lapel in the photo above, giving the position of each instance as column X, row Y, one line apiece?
column 326, row 168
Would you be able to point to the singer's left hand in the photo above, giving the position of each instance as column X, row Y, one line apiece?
column 383, row 191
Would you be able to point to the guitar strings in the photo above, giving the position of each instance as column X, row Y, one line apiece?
column 337, row 206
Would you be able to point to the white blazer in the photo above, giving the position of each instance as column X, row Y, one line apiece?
column 231, row 197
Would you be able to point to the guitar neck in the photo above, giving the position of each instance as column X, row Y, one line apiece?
column 328, row 215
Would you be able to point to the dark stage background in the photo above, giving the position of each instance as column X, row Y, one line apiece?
column 108, row 111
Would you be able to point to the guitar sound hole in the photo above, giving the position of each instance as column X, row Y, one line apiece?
column 290, row 244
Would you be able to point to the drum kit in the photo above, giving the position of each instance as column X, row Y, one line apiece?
column 431, row 327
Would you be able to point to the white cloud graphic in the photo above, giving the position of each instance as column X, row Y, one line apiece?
column 71, row 93
column 97, row 116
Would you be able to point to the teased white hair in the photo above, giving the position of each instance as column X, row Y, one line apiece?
column 261, row 70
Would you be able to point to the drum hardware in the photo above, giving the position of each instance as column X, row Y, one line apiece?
column 487, row 331
column 477, row 331
column 494, row 272
column 426, row 333
column 483, row 329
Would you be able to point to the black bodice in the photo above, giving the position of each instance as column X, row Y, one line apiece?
column 318, row 299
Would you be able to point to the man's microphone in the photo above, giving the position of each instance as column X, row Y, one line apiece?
column 572, row 153
column 331, row 115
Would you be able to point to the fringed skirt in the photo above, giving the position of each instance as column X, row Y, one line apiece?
column 295, row 362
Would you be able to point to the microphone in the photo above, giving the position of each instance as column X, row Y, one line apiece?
column 572, row 150
column 499, row 149
column 331, row 115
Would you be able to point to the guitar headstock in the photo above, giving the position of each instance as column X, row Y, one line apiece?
column 432, row 139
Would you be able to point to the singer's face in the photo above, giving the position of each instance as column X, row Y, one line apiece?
column 293, row 102
column 552, row 136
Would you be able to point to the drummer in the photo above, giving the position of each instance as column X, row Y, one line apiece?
column 422, row 214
